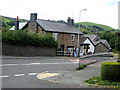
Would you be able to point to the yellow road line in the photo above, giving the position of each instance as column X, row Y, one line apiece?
column 45, row 75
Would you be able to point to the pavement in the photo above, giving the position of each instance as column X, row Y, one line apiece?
column 72, row 76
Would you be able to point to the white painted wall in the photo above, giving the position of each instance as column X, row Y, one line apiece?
column 89, row 50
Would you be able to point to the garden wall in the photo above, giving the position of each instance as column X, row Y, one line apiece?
column 16, row 50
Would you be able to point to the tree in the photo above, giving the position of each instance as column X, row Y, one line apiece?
column 117, row 46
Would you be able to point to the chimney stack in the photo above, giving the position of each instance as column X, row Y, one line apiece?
column 17, row 24
column 70, row 21
column 33, row 17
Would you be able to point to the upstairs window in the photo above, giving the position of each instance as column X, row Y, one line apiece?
column 55, row 35
column 72, row 37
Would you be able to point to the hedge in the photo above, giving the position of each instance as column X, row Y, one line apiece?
column 23, row 38
column 110, row 71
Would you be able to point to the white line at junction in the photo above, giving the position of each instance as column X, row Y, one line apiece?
column 4, row 76
column 18, row 75
column 37, row 64
column 32, row 74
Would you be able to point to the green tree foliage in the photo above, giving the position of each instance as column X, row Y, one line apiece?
column 24, row 38
column 110, row 37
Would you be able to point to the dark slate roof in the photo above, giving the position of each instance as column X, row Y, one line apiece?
column 91, row 36
column 105, row 43
column 57, row 27
column 96, row 40
column 82, row 39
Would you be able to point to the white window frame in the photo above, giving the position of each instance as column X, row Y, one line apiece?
column 72, row 37
column 55, row 35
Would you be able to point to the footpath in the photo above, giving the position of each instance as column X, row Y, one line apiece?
column 76, row 77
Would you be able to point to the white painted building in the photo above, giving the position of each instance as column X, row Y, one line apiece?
column 87, row 47
column 21, row 25
column 91, row 43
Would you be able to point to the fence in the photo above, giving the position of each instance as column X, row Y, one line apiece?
column 16, row 50
column 64, row 53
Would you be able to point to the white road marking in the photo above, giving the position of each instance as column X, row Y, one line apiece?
column 38, row 64
column 45, row 75
column 4, row 76
column 17, row 75
column 8, row 64
column 32, row 74
column 35, row 63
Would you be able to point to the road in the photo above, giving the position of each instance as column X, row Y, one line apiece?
column 22, row 73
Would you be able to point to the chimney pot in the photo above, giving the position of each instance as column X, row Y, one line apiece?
column 70, row 21
column 17, row 18
column 33, row 17
column 17, row 24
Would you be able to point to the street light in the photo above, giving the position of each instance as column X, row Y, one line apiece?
column 79, row 33
column 79, row 30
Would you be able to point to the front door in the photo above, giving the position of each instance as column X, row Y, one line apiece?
column 62, row 48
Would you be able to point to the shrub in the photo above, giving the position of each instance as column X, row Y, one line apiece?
column 81, row 67
column 110, row 71
column 24, row 38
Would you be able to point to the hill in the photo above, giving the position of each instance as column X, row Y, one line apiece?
column 91, row 28
column 8, row 22
column 86, row 27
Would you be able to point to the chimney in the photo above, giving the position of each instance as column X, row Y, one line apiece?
column 17, row 24
column 70, row 21
column 33, row 17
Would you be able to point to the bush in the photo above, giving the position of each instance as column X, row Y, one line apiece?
column 110, row 71
column 24, row 38
column 81, row 67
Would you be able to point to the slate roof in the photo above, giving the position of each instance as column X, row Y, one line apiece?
column 96, row 40
column 105, row 43
column 82, row 39
column 91, row 36
column 57, row 27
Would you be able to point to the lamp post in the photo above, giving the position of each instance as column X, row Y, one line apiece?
column 79, row 31
column 79, row 36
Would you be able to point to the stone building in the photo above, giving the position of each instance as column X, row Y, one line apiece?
column 65, row 33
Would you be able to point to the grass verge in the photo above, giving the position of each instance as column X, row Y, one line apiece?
column 97, row 80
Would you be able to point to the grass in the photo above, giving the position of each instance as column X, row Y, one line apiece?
column 100, row 25
column 97, row 80
column 115, row 54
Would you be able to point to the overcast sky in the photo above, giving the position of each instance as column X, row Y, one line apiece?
column 98, row 11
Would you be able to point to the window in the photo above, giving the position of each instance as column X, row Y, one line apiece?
column 55, row 35
column 72, row 37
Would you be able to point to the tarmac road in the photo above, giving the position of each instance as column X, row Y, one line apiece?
column 23, row 72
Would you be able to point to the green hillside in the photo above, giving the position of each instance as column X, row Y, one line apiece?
column 88, row 27
column 8, row 22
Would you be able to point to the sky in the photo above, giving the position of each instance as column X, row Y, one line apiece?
column 98, row 11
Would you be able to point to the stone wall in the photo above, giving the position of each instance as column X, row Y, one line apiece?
column 33, row 27
column 100, row 48
column 15, row 50
column 64, row 38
